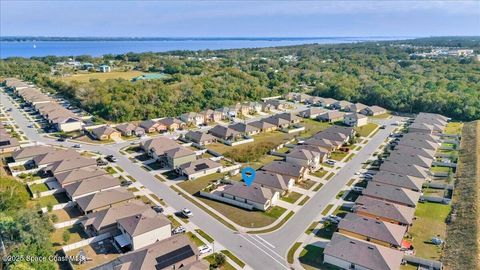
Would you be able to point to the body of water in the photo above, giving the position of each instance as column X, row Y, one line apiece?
column 98, row 47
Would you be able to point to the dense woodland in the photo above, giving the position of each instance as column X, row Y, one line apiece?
column 23, row 229
column 381, row 73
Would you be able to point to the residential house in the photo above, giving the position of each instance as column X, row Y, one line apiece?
column 326, row 144
column 372, row 230
column 355, row 119
column 176, row 252
column 172, row 124
column 314, row 100
column 90, row 186
column 391, row 194
column 255, row 106
column 43, row 160
column 69, row 164
column 384, row 211
column 312, row 112
column 415, row 151
column 104, row 68
column 103, row 200
column 327, row 102
column 331, row 116
column 349, row 253
column 307, row 156
column 276, row 182
column 266, row 107
column 227, row 112
column 104, row 133
column 276, row 104
column 7, row 143
column 408, row 169
column 129, row 129
column 399, row 180
column 339, row 138
column 200, row 137
column 290, row 117
column 414, row 142
column 297, row 172
column 225, row 133
column 141, row 230
column 150, row 126
column 245, row 109
column 168, row 152
column 77, row 175
column 246, row 129
column 357, row 107
column 105, row 220
column 291, row 96
column 256, row 196
column 342, row 105
column 373, row 110
column 211, row 116
column 25, row 154
column 277, row 121
column 193, row 118
column 404, row 158
column 421, row 136
column 263, row 126
column 199, row 168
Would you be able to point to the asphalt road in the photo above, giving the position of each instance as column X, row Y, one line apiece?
column 267, row 251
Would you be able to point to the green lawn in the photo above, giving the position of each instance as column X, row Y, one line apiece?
column 441, row 169
column 292, row 251
column 51, row 200
column 205, row 235
column 338, row 155
column 276, row 137
column 174, row 221
column 317, row 188
column 226, row 266
column 110, row 170
column 365, row 130
column 313, row 127
column 195, row 239
column 453, row 128
column 430, row 222
column 304, row 200
column 325, row 211
column 311, row 257
column 194, row 186
column 278, row 225
column 381, row 116
column 326, row 231
column 75, row 232
column 312, row 227
column 330, row 176
column 306, row 184
column 291, row 197
column 38, row 188
column 233, row 258
column 320, row 173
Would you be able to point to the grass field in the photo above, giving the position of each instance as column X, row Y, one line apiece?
column 463, row 232
column 291, row 197
column 453, row 128
column 365, row 130
column 85, row 77
column 430, row 222
column 194, row 186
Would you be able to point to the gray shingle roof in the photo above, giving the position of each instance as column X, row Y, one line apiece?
column 408, row 169
column 144, row 222
column 391, row 193
column 379, row 208
column 284, row 168
column 91, row 185
column 104, row 198
column 399, row 179
column 254, row 193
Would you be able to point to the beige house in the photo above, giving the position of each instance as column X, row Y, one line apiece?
column 355, row 119
column 373, row 110
column 103, row 200
column 104, row 133
column 193, row 118
column 141, row 230
column 168, row 152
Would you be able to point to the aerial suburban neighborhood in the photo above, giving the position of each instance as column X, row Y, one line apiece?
column 247, row 135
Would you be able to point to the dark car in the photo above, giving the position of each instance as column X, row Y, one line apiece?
column 126, row 183
column 157, row 209
column 61, row 139
column 111, row 158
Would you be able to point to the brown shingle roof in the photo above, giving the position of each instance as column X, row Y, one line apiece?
column 93, row 184
column 284, row 168
column 364, row 254
column 146, row 221
column 80, row 174
column 244, row 128
column 31, row 151
column 408, row 169
column 391, row 193
column 199, row 165
column 373, row 228
column 271, row 180
column 104, row 198
column 254, row 193
column 399, row 213
column 399, row 179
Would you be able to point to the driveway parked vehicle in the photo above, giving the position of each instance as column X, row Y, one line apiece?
column 179, row 230
column 204, row 249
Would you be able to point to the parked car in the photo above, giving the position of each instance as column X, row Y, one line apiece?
column 126, row 183
column 101, row 162
column 383, row 127
column 179, row 230
column 357, row 189
column 77, row 146
column 61, row 139
column 157, row 208
column 330, row 162
column 368, row 176
column 30, row 126
column 9, row 109
column 111, row 158
column 186, row 212
column 204, row 249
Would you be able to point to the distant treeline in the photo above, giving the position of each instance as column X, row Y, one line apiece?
column 381, row 73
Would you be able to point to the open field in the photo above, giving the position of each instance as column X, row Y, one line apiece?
column 313, row 127
column 462, row 232
column 85, row 77
column 365, row 130
column 430, row 222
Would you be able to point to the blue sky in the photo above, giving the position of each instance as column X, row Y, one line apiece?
column 239, row 18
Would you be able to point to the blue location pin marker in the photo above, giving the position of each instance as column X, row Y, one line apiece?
column 248, row 175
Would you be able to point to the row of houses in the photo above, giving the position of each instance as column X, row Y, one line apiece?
column 276, row 179
column 55, row 114
column 8, row 143
column 107, row 207
column 372, row 237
